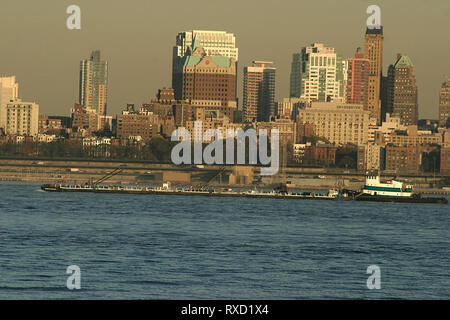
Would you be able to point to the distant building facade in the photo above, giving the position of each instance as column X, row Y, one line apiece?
column 132, row 123
column 356, row 76
column 381, row 133
column 22, row 118
column 203, row 80
column 444, row 104
column 289, row 107
column 371, row 156
column 413, row 137
column 374, row 52
column 317, row 74
column 215, row 43
column 286, row 129
column 339, row 123
column 89, row 119
column 9, row 90
column 259, row 91
column 445, row 153
column 46, row 124
column 445, row 160
column 403, row 159
column 402, row 91
column 204, row 66
column 93, row 90
column 314, row 154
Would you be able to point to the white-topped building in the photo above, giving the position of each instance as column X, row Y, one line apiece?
column 22, row 118
column 317, row 74
column 215, row 43
column 9, row 90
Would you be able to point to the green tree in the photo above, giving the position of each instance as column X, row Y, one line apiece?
column 160, row 148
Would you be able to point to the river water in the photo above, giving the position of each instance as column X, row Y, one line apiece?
column 178, row 247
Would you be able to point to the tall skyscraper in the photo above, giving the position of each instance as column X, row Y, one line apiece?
column 295, row 76
column 93, row 92
column 206, row 78
column 374, row 52
column 213, row 43
column 9, row 90
column 356, row 75
column 385, row 107
column 402, row 91
column 317, row 74
column 444, row 104
column 259, row 91
column 206, row 81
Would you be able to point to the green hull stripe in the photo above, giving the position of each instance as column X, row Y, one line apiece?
column 386, row 189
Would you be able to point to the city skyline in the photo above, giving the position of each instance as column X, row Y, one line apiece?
column 136, row 79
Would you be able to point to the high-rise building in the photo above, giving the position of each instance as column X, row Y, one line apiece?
column 295, row 77
column 374, row 52
column 93, row 92
column 385, row 98
column 9, row 90
column 445, row 153
column 402, row 91
column 22, row 118
column 213, row 43
column 259, row 91
column 205, row 81
column 444, row 104
column 356, row 75
column 317, row 74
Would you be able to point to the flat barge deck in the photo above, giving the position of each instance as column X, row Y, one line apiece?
column 242, row 194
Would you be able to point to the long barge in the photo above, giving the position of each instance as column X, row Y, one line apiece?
column 342, row 195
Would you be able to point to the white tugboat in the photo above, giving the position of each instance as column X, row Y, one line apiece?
column 390, row 188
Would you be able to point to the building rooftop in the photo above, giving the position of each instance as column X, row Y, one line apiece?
column 375, row 30
column 192, row 61
column 403, row 61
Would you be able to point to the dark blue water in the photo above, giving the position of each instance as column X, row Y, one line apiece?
column 174, row 247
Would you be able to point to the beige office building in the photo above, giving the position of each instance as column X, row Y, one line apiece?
column 9, row 90
column 339, row 123
column 22, row 118
column 381, row 133
column 413, row 137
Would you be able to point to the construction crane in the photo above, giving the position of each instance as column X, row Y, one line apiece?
column 221, row 170
column 116, row 171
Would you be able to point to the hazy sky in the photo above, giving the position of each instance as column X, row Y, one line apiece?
column 137, row 36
